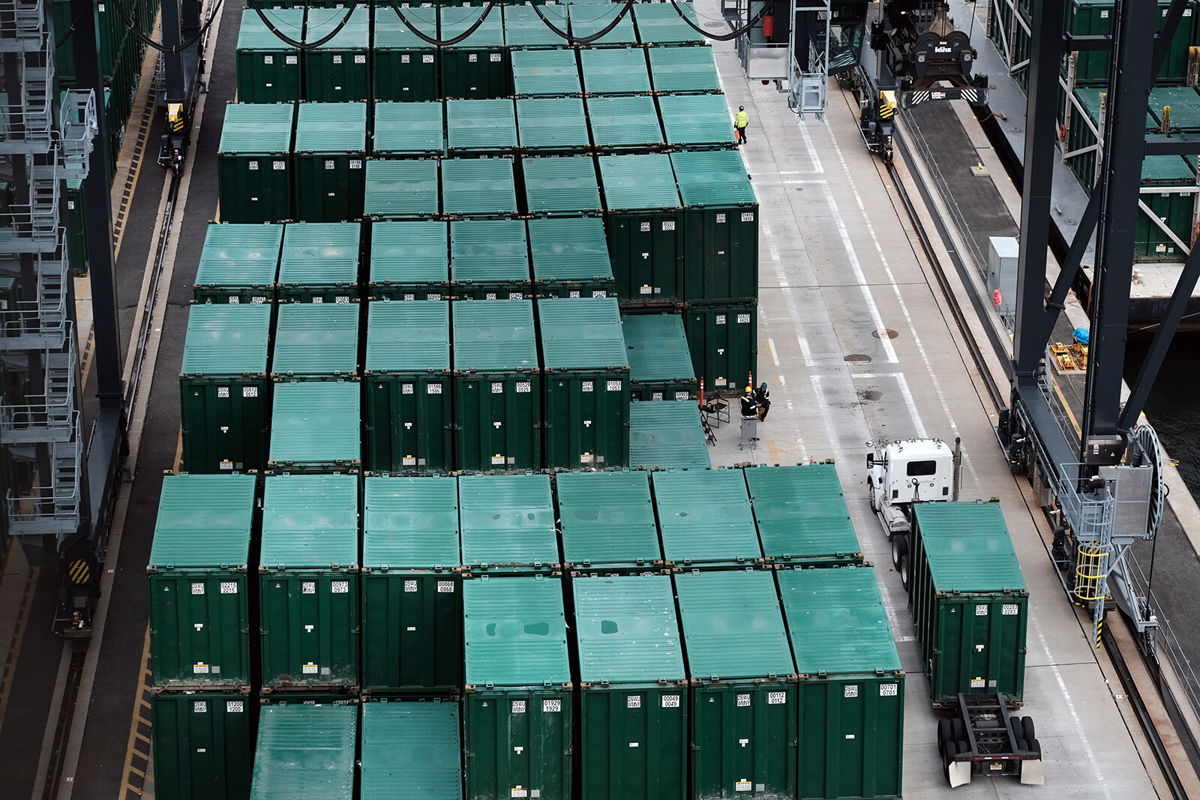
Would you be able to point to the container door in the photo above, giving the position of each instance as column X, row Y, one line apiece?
column 408, row 425
column 405, row 75
column 268, row 77
column 224, row 425
column 723, row 342
column 309, row 627
column 634, row 744
column 499, row 423
column 202, row 746
column 980, row 647
column 518, row 745
column 851, row 738
column 744, row 741
column 199, row 630
column 330, row 187
column 587, row 420
column 647, row 255
column 721, row 254
column 255, row 188
column 412, row 632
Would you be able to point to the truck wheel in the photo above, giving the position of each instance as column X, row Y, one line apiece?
column 902, row 568
column 899, row 548
column 1036, row 747
column 1028, row 731
column 958, row 730
column 944, row 734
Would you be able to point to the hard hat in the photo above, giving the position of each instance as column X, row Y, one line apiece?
column 749, row 390
column 741, row 108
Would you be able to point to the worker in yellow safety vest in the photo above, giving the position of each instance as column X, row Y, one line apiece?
column 740, row 121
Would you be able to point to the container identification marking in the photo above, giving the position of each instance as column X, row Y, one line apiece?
column 268, row 59
column 518, row 706
column 197, row 587
column 742, row 786
column 222, row 392
column 587, row 386
column 719, row 320
column 614, row 386
column 977, row 683
column 340, row 587
column 291, row 59
column 497, row 388
column 668, row 225
column 433, row 388
column 250, row 391
column 644, row 227
column 278, row 166
column 743, row 319
column 633, row 744
column 495, row 57
column 889, row 689
column 229, row 587
column 427, row 59
column 234, row 707
column 329, row 164
column 200, row 669
column 523, row 387
column 551, row 706
column 519, row 792
column 1008, row 610
column 747, row 216
column 360, row 59
column 410, row 586
column 404, row 59
column 309, row 669
column 776, row 698
column 850, row 691
column 199, row 706
column 981, row 609
column 720, row 218
column 670, row 701
column 743, row 701
column 633, row 701
column 406, row 388
column 252, row 166
column 445, row 587
column 308, row 587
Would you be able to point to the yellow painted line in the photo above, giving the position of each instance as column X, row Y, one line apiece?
column 133, row 747
column 1067, row 408
column 177, row 467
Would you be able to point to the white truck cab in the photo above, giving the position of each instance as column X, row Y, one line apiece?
column 907, row 472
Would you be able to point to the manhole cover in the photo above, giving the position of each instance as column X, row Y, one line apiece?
column 857, row 358
column 888, row 332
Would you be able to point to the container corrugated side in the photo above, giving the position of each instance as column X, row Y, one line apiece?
column 329, row 161
column 705, row 519
column 303, row 748
column 802, row 515
column 477, row 67
column 268, row 68
column 254, row 163
column 660, row 366
column 339, row 70
column 607, row 521
column 410, row 750
column 645, row 226
column 203, row 744
column 667, row 435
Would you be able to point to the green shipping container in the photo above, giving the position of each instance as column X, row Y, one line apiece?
column 314, row 427
column 544, row 73
column 406, row 66
column 523, row 28
column 850, row 693
column 497, row 386
column 411, row 590
column 408, row 416
column 1175, row 109
column 723, row 340
column 1173, row 202
column 667, row 435
column 475, row 127
column 489, row 260
column 570, row 258
column 565, row 186
column 199, row 612
column 802, row 515
column 607, row 70
column 683, row 69
column 1095, row 18
column 409, row 129
column 660, row 24
column 331, row 148
column 305, row 751
column 316, row 341
column 410, row 750
column 254, row 163
column 517, row 714
column 660, row 367
column 552, row 125
column 410, row 260
column 743, row 698
column 319, row 262
column 339, row 70
column 720, row 225
column 268, row 68
column 586, row 379
column 477, row 68
column 588, row 20
column 76, row 233
column 223, row 388
column 645, row 226
column 308, row 582
column 633, row 689
column 705, row 519
column 238, row 264
column 203, row 743
column 507, row 524
column 625, row 124
column 607, row 522
column 397, row 190
column 478, row 187
column 968, row 600
column 697, row 121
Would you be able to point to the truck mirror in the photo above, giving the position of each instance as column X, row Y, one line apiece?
column 870, row 460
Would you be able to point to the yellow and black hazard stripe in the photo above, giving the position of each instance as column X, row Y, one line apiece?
column 80, row 571
column 887, row 104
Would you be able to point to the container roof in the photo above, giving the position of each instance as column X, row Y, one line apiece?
column 331, row 127
column 515, row 632
column 696, row 119
column 305, row 751
column 408, row 128
column 587, row 20
column 658, row 348
column 507, row 519
column 624, row 122
column 392, row 34
column 544, row 72
column 310, row 521
column 457, row 19
column 410, row 252
column 320, row 254
column 494, row 335
column 627, row 629
column 316, row 339
column 636, row 182
column 410, row 750
column 607, row 518
column 666, row 434
column 489, row 251
column 1167, row 171
column 1184, row 102
column 410, row 522
column 481, row 125
column 523, row 27
column 801, row 511
column 732, row 625
column 683, row 69
column 608, row 70
column 712, row 178
column 257, row 128
column 569, row 249
column 705, row 516
column 561, row 185
column 552, row 123
column 408, row 336
column 254, row 35
column 315, row 422
column 355, row 34
column 660, row 23
column 226, row 340
column 837, row 621
column 581, row 333
column 967, row 547
column 204, row 521
column 401, row 188
column 478, row 185
column 239, row 255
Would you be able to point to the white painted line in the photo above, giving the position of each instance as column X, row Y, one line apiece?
column 809, row 148
column 808, row 181
column 827, row 419
column 806, row 351
column 774, row 352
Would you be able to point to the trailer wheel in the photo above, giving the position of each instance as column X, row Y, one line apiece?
column 899, row 548
column 903, row 570
column 944, row 734
column 958, row 729
column 1028, row 731
column 1036, row 747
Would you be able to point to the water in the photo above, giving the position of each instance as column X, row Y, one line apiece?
column 1174, row 404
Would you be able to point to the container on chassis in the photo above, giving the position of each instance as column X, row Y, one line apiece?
column 238, row 264
column 203, row 744
column 660, row 24
column 683, row 69
column 329, row 156
column 406, row 66
column 268, row 68
column 400, row 190
column 561, row 186
column 408, row 415
column 308, row 582
column 588, row 20
column 632, row 689
column 624, row 124
column 478, row 187
column 606, row 70
column 409, row 129
column 339, row 70
column 645, row 226
column 570, row 258
column 660, row 367
column 224, row 390
column 254, row 162
column 315, row 427
column 743, row 686
column 475, row 127
column 305, row 751
column 850, row 693
column 706, row 520
column 545, row 73
column 667, row 435
column 410, row 261
column 319, row 262
column 802, row 516
column 489, row 260
column 524, row 29
column 720, row 225
column 199, row 611
column 507, row 524
column 410, row 750
column 316, row 341
column 517, row 710
column 549, row 125
column 497, row 386
column 723, row 341
column 969, row 602
column 586, row 380
column 411, row 587
column 607, row 521
column 476, row 67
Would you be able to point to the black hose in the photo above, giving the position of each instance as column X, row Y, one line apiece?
column 294, row 42
column 724, row 37
column 442, row 42
column 159, row 46
column 590, row 37
column 70, row 31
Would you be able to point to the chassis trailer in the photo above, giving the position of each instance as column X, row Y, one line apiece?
column 982, row 738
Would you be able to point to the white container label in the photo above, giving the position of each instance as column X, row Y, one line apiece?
column 633, row 701
column 497, row 388
column 743, row 319
column 586, row 386
column 199, row 706
column 472, row 58
column 551, row 706
column 889, row 689
column 404, row 59
column 329, row 165
column 670, row 701
column 720, row 320
column 222, row 392
column 268, row 59
column 309, row 669
column 229, row 587
column 747, row 216
column 613, row 386
column 776, row 698
column 406, row 388
column 644, row 227
column 427, row 59
column 252, row 166
column 410, row 586
column 433, row 388
column 308, row 587
column 518, row 706
column 291, row 60
column 197, row 588
column 495, row 58
column 720, row 218
column 981, row 609
column 337, row 59
column 340, row 587
column 743, row 701
column 278, row 166
column 668, row 225
column 234, row 707
column 523, row 387
column 445, row 587
column 1008, row 610
column 249, row 391
column 360, row 59
column 850, row 691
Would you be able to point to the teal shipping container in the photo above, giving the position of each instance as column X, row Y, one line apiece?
column 477, row 67
column 406, row 66
column 308, row 582
column 489, row 260
column 518, row 709
column 254, row 163
column 624, row 124
column 659, row 23
column 570, row 257
column 544, row 73
column 483, row 187
column 410, row 260
column 617, row 71
column 319, row 262
column 316, row 341
column 399, row 190
column 405, row 130
column 411, row 587
column 696, row 121
column 268, row 68
column 507, row 524
column 315, row 427
column 683, row 69
column 238, row 264
column 305, row 751
column 632, row 689
column 705, row 519
column 561, row 186
column 607, row 521
column 645, row 226
column 723, row 341
column 586, row 380
column 802, row 515
column 339, row 70
column 199, row 607
column 408, row 418
column 667, row 435
column 329, row 160
column 589, row 19
column 475, row 127
column 743, row 686
column 660, row 367
column 548, row 125
column 410, row 750
column 203, row 744
column 524, row 29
